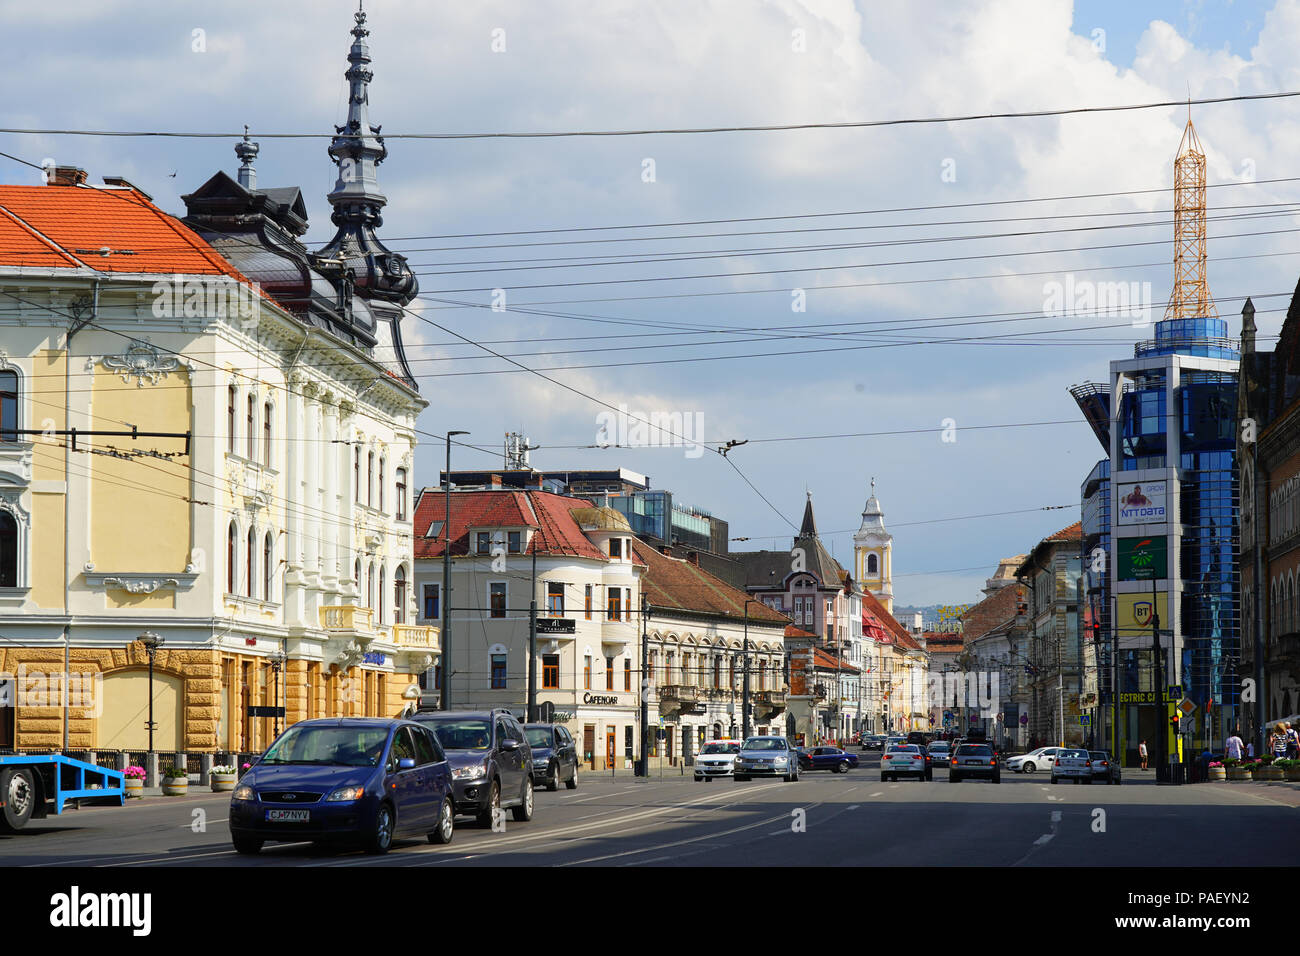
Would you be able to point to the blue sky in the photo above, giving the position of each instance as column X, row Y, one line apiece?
column 683, row 63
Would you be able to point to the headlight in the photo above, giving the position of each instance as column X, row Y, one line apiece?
column 782, row 759
column 244, row 792
column 346, row 795
column 467, row 773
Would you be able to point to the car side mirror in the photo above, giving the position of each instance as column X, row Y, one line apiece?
column 509, row 745
column 406, row 763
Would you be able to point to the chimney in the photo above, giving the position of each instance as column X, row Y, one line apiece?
column 494, row 481
column 64, row 176
column 666, row 550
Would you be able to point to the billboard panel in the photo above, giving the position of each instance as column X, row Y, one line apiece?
column 1141, row 559
column 1142, row 503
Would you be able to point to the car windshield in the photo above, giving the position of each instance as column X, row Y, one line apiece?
column 1072, row 754
column 938, row 745
column 721, row 749
column 1098, row 755
column 765, row 743
column 331, row 746
column 975, row 750
column 539, row 736
column 905, row 749
column 460, row 733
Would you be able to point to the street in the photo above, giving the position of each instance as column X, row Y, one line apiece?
column 824, row 819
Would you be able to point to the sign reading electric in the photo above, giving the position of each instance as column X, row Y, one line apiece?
column 1142, row 503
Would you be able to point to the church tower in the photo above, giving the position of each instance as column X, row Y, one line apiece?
column 873, row 549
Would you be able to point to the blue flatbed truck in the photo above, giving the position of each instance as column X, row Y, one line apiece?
column 36, row 785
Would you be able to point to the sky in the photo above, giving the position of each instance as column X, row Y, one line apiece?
column 835, row 365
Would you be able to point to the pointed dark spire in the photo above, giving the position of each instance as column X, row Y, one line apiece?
column 809, row 527
column 1248, row 327
column 247, row 152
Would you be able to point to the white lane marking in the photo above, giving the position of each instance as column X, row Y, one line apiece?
column 1045, row 838
column 1056, row 816
column 187, row 826
column 852, row 806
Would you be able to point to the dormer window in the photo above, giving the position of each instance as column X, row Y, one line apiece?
column 514, row 542
column 483, row 542
column 616, row 547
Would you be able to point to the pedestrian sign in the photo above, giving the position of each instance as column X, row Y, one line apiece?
column 1085, row 720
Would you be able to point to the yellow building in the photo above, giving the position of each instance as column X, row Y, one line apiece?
column 206, row 434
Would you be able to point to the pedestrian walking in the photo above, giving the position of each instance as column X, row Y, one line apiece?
column 1250, row 749
column 1277, row 742
column 1292, row 742
column 1232, row 749
column 1142, row 753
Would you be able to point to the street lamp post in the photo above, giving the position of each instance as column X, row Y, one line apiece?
column 151, row 642
column 445, row 696
column 744, row 693
column 278, row 660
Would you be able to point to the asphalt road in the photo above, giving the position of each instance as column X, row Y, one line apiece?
column 824, row 819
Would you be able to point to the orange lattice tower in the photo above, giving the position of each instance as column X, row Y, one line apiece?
column 1191, row 296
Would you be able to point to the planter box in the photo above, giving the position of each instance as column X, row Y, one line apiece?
column 1269, row 773
column 224, row 782
column 1237, row 774
column 134, row 786
column 1293, row 774
column 1217, row 773
column 175, row 787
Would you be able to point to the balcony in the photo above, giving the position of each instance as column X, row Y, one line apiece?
column 769, row 703
column 415, row 637
column 680, row 698
column 346, row 617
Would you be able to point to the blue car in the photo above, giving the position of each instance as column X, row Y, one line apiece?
column 827, row 758
column 352, row 780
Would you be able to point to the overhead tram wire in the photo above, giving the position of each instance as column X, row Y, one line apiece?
column 668, row 131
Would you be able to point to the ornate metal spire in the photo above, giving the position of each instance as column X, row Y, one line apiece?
column 247, row 152
column 358, row 149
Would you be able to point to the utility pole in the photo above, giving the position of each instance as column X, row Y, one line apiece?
column 1162, row 728
column 645, row 692
column 445, row 696
column 532, row 643
column 1259, row 600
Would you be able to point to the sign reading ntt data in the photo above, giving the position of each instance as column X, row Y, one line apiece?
column 1142, row 503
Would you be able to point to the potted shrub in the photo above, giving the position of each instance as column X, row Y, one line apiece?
column 1290, row 769
column 1266, row 771
column 176, row 781
column 1238, row 770
column 224, row 778
column 133, row 778
column 1217, row 771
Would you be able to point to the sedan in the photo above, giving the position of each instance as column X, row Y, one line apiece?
column 974, row 760
column 905, row 760
column 1073, row 765
column 1103, row 768
column 359, row 780
column 827, row 758
column 939, row 753
column 1040, row 759
column 767, row 757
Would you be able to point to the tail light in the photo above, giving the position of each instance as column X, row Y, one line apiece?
column 993, row 762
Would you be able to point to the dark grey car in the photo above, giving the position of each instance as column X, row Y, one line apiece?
column 555, row 755
column 491, row 762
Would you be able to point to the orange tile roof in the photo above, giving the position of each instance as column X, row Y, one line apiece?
column 70, row 226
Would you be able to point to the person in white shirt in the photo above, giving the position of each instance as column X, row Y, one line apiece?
column 1232, row 749
column 1142, row 753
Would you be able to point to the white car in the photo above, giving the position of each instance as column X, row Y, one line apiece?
column 904, row 760
column 1040, row 759
column 717, row 759
column 1073, row 765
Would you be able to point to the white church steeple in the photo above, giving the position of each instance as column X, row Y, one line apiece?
column 873, row 548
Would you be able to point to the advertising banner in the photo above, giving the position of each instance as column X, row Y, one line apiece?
column 1142, row 503
column 1133, row 614
column 1141, row 559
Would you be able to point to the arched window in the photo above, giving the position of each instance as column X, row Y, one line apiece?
column 8, row 550
column 872, row 565
column 381, row 595
column 370, row 479
column 654, row 662
column 266, row 567
column 8, row 407
column 382, row 463
column 232, row 554
column 266, row 434
column 717, row 671
column 251, row 426
column 356, row 475
column 399, row 595
column 669, row 660
column 230, row 421
column 356, row 574
column 252, row 561
column 400, row 494
column 370, row 585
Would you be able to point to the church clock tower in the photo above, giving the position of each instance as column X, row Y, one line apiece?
column 873, row 549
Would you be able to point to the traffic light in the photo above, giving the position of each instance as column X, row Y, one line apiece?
column 1173, row 723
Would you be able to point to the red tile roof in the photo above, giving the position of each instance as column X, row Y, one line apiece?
column 825, row 661
column 676, row 583
column 899, row 635
column 558, row 532
column 994, row 612
column 794, row 630
column 63, row 227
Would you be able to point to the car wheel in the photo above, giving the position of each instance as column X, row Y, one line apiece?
column 954, row 777
column 698, row 778
column 1027, row 767
column 17, row 797
column 247, row 845
column 929, row 776
column 493, row 803
column 381, row 836
column 739, row 777
column 553, row 780
column 997, row 778
column 446, row 824
column 843, row 767
column 1055, row 781
column 572, row 782
column 524, row 812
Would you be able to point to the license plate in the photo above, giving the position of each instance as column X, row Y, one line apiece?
column 288, row 816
